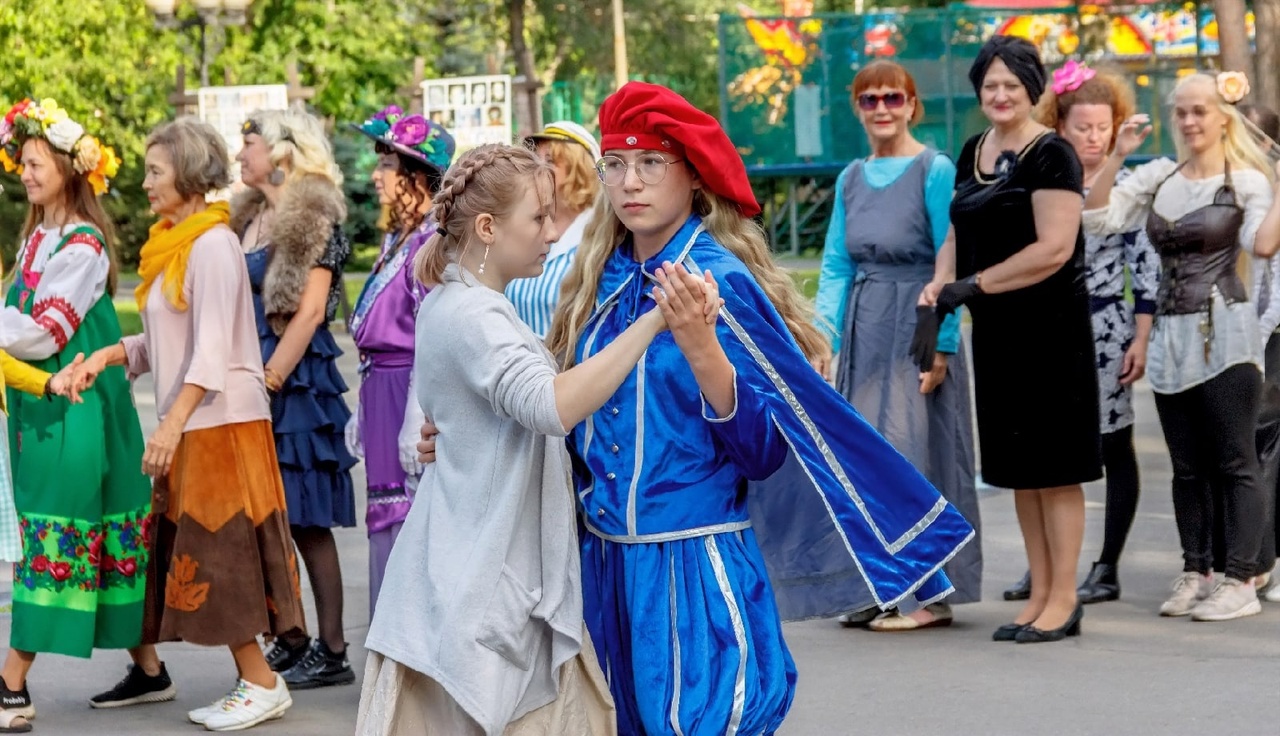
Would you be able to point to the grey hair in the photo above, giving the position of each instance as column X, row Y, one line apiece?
column 198, row 153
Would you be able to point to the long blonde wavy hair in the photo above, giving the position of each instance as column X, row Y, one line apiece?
column 739, row 235
column 1241, row 150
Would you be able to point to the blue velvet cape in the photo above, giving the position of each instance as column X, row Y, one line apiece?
column 865, row 518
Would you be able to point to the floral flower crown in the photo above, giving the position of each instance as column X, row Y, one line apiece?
column 412, row 135
column 1233, row 86
column 28, row 119
column 1070, row 77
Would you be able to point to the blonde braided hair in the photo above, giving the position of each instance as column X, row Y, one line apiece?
column 487, row 179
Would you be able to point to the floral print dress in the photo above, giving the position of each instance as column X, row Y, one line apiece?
column 77, row 468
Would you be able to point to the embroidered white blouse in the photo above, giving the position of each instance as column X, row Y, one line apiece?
column 70, row 283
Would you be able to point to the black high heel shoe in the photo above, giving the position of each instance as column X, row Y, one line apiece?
column 1101, row 585
column 1008, row 632
column 1019, row 591
column 1032, row 635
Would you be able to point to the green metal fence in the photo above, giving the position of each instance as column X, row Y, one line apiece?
column 785, row 84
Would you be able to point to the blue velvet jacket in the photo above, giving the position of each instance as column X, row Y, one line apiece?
column 655, row 464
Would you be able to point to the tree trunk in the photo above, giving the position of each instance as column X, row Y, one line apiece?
column 1233, row 37
column 620, row 71
column 1266, row 84
column 528, row 107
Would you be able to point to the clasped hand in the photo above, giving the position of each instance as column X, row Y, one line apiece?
column 81, row 374
column 688, row 304
column 63, row 382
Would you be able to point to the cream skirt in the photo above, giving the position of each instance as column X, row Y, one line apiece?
column 398, row 701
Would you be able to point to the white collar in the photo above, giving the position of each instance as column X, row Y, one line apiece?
column 572, row 236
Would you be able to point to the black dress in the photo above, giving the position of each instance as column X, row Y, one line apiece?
column 1036, row 386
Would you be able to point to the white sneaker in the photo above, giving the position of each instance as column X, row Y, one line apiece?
column 248, row 705
column 200, row 715
column 1231, row 599
column 1273, row 594
column 1189, row 589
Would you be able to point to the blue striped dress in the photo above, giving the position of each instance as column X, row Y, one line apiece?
column 536, row 298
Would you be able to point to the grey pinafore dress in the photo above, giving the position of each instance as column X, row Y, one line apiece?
column 890, row 239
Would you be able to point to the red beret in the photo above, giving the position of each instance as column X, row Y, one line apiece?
column 652, row 117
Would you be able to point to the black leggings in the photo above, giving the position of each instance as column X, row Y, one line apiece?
column 1121, row 464
column 1268, row 441
column 1210, row 433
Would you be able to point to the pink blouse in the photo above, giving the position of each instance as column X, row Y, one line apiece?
column 213, row 344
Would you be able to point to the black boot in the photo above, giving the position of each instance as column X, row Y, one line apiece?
column 319, row 668
column 1019, row 591
column 1101, row 585
column 281, row 655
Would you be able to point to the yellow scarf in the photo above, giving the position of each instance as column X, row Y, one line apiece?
column 167, row 250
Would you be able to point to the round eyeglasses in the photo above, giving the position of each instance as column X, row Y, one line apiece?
column 651, row 168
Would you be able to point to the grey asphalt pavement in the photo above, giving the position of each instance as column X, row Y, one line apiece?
column 1130, row 673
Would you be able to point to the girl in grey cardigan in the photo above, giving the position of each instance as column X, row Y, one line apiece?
column 480, row 629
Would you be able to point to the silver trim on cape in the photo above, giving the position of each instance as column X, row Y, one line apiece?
column 702, row 531
column 893, row 548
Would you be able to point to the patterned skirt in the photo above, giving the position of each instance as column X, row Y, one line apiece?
column 223, row 568
column 83, row 505
column 1113, row 332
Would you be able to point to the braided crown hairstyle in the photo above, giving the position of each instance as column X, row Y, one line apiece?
column 488, row 179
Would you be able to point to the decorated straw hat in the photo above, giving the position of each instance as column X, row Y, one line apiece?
column 411, row 135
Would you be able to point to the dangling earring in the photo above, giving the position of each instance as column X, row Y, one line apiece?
column 485, row 259
column 277, row 177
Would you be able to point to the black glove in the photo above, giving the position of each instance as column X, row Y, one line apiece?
column 956, row 293
column 924, row 343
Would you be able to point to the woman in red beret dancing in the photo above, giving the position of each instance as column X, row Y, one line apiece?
column 677, row 576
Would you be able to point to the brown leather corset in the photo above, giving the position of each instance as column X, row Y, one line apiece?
column 1198, row 251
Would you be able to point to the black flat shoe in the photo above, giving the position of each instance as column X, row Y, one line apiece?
column 1008, row 632
column 1101, row 585
column 859, row 619
column 1019, row 591
column 1032, row 635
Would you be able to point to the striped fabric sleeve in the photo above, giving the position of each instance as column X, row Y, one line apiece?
column 535, row 298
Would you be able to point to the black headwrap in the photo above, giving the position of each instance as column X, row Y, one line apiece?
column 1019, row 55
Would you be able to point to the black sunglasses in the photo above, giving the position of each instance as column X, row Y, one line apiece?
column 892, row 101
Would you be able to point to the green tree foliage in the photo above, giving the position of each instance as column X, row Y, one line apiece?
column 107, row 64
column 103, row 62
column 356, row 54
column 671, row 42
